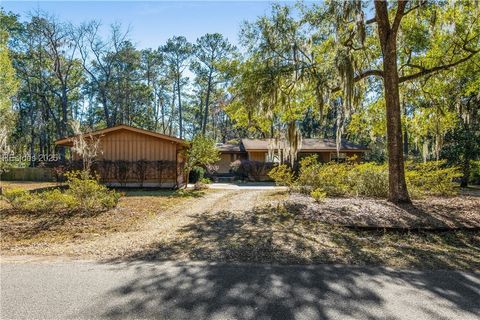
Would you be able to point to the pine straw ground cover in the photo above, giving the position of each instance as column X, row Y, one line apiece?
column 270, row 233
column 34, row 233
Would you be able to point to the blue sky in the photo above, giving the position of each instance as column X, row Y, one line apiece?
column 151, row 23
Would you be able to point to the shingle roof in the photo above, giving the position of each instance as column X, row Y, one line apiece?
column 227, row 147
column 310, row 144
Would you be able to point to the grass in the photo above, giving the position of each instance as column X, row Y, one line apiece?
column 27, row 185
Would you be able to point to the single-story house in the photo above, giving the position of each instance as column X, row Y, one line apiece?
column 258, row 150
column 129, row 156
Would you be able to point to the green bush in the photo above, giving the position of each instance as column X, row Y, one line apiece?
column 318, row 195
column 251, row 170
column 205, row 181
column 475, row 172
column 431, row 178
column 84, row 194
column 332, row 178
column 282, row 175
column 370, row 180
column 197, row 174
column 89, row 194
column 47, row 201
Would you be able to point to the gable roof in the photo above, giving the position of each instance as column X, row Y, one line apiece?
column 68, row 140
column 308, row 144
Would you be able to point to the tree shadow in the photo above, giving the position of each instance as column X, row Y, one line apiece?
column 226, row 289
column 246, row 291
column 152, row 192
column 431, row 214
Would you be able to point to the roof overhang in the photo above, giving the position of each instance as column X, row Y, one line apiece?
column 68, row 141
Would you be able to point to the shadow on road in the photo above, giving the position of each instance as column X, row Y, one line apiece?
column 220, row 291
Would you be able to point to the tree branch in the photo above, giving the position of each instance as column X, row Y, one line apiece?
column 363, row 75
column 436, row 69
column 399, row 15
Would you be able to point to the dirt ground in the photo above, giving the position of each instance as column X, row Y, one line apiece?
column 430, row 213
column 230, row 225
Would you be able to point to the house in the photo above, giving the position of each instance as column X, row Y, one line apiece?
column 129, row 156
column 258, row 150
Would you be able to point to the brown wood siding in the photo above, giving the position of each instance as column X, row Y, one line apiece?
column 133, row 146
column 257, row 156
column 224, row 162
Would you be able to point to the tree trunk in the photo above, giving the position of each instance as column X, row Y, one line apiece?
column 180, row 116
column 465, row 171
column 207, row 102
column 397, row 186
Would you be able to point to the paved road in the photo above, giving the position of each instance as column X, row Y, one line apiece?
column 53, row 290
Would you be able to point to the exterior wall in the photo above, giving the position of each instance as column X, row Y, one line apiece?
column 226, row 158
column 132, row 146
column 257, row 156
column 224, row 162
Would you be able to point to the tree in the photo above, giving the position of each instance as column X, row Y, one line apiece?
column 177, row 53
column 201, row 152
column 8, row 89
column 85, row 145
column 210, row 50
column 4, row 153
column 435, row 49
column 8, row 80
column 462, row 90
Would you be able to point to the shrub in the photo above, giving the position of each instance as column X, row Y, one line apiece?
column 282, row 175
column 141, row 168
column 16, row 197
column 431, row 178
column 89, row 194
column 475, row 172
column 205, row 180
column 370, row 180
column 318, row 195
column 59, row 173
column 251, row 170
column 47, row 201
column 197, row 174
column 332, row 178
column 121, row 171
column 84, row 194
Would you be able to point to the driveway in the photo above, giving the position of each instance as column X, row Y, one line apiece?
column 173, row 290
column 245, row 186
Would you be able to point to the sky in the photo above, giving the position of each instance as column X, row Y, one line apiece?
column 151, row 23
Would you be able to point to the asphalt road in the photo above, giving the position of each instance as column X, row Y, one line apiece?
column 89, row 290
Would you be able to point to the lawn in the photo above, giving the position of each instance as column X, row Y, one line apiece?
column 257, row 226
